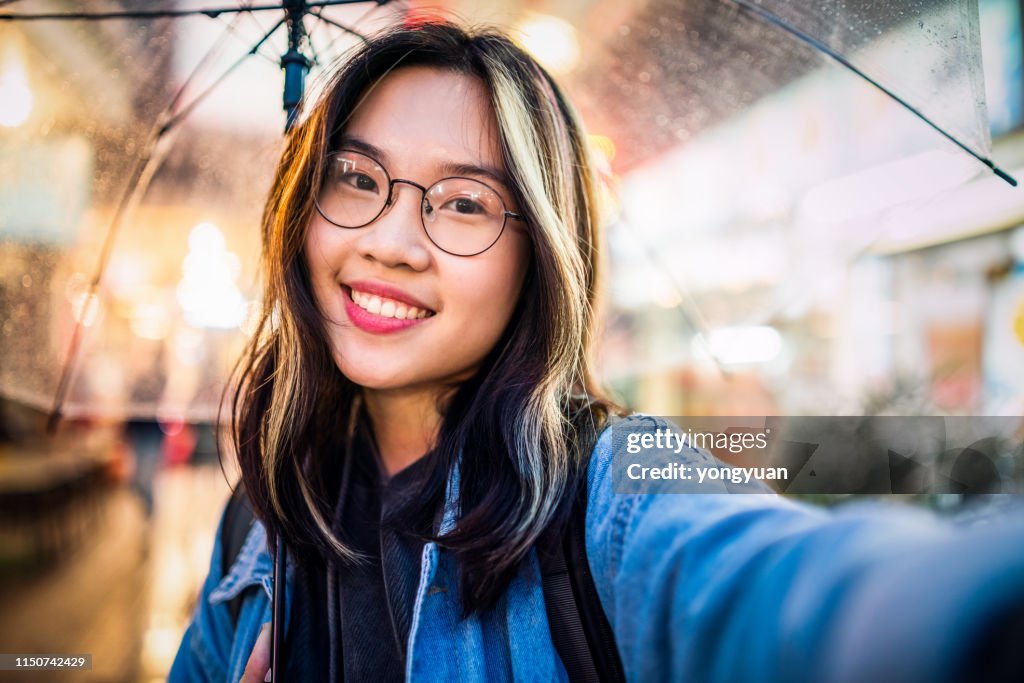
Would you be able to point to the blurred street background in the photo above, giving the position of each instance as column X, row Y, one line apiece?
column 784, row 239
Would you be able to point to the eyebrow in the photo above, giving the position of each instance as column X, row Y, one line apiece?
column 447, row 168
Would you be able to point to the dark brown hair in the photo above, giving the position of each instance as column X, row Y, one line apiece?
column 521, row 428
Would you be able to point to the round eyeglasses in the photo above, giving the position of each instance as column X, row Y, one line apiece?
column 461, row 216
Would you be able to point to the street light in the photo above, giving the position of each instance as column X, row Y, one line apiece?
column 551, row 40
column 15, row 95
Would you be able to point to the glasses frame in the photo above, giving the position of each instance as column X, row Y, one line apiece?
column 506, row 214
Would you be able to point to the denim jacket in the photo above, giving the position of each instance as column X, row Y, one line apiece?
column 700, row 588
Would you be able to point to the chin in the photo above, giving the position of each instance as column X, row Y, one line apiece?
column 373, row 376
column 385, row 376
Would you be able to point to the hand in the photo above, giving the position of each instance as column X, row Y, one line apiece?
column 257, row 670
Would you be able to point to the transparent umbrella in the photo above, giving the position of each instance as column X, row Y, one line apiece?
column 138, row 146
column 129, row 226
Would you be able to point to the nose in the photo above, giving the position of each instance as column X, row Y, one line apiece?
column 397, row 237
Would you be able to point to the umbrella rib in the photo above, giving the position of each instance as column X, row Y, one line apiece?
column 177, row 118
column 139, row 14
column 234, row 31
column 228, row 27
column 772, row 19
column 312, row 47
column 157, row 14
column 246, row 4
column 142, row 174
column 362, row 17
column 319, row 15
column 332, row 3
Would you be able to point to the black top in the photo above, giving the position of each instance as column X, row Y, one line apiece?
column 377, row 596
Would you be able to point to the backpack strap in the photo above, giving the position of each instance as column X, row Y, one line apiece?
column 580, row 629
column 238, row 519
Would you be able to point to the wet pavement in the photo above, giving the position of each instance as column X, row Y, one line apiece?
column 124, row 592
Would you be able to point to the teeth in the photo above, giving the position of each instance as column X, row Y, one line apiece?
column 387, row 308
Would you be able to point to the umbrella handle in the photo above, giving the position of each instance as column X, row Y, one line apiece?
column 277, row 612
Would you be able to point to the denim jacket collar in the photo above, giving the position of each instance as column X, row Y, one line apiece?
column 253, row 567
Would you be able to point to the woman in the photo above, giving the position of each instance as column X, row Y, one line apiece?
column 417, row 410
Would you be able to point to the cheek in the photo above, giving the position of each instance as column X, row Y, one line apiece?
column 488, row 291
column 323, row 251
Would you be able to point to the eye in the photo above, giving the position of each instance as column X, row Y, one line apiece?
column 359, row 181
column 465, row 206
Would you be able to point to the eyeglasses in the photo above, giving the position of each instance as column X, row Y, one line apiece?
column 461, row 216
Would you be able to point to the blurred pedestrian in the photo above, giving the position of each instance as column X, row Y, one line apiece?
column 142, row 429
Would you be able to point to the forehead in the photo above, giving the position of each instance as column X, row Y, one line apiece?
column 422, row 117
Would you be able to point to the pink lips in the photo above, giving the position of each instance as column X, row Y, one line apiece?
column 370, row 322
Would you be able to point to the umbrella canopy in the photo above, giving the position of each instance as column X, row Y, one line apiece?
column 699, row 62
column 170, row 228
column 712, row 115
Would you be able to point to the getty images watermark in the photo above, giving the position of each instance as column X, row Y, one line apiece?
column 819, row 455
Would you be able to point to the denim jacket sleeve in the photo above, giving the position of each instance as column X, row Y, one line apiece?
column 213, row 648
column 735, row 587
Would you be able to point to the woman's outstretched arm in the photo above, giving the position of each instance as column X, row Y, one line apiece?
column 736, row 587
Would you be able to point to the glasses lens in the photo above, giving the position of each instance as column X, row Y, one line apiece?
column 355, row 190
column 463, row 216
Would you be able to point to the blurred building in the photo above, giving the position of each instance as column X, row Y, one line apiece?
column 817, row 250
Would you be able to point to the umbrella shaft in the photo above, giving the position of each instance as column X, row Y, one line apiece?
column 294, row 63
column 295, row 67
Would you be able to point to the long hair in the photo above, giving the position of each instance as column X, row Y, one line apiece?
column 520, row 429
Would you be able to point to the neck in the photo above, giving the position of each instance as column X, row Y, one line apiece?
column 405, row 423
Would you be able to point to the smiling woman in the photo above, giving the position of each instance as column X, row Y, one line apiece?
column 417, row 426
column 431, row 275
